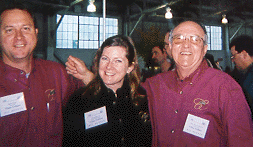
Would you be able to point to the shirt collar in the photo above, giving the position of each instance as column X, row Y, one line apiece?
column 7, row 68
column 201, row 69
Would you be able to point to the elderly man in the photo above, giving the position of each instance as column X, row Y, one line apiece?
column 32, row 91
column 196, row 105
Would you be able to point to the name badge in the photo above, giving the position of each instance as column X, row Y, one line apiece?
column 95, row 117
column 11, row 104
column 196, row 126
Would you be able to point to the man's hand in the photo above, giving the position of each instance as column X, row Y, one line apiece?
column 77, row 68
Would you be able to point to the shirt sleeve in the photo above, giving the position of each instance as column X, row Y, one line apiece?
column 235, row 115
column 146, row 85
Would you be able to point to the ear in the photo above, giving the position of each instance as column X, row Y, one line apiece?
column 37, row 31
column 169, row 50
column 130, row 68
column 205, row 49
column 245, row 54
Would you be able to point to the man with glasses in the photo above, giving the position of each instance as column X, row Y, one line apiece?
column 242, row 55
column 196, row 105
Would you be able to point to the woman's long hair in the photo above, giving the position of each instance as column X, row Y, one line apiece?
column 131, row 55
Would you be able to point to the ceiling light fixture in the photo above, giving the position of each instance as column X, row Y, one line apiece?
column 168, row 14
column 224, row 19
column 91, row 7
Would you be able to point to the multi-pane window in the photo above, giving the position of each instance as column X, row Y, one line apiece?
column 214, row 37
column 83, row 32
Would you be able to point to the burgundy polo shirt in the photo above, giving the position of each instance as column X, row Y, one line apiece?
column 45, row 91
column 207, row 93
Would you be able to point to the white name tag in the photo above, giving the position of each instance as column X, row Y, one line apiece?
column 95, row 117
column 11, row 104
column 196, row 126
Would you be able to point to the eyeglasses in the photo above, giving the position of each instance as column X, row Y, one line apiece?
column 194, row 39
column 233, row 56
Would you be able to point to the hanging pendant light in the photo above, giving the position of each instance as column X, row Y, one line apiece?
column 168, row 14
column 91, row 7
column 224, row 19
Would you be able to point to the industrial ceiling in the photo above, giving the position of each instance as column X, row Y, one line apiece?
column 236, row 11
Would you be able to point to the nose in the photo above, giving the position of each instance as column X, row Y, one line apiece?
column 19, row 34
column 153, row 56
column 109, row 65
column 186, row 42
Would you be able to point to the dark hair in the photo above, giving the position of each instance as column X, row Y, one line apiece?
column 133, row 77
column 160, row 46
column 168, row 30
column 243, row 42
column 20, row 6
column 210, row 58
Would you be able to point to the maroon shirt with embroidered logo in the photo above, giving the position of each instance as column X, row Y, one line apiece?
column 45, row 91
column 207, row 93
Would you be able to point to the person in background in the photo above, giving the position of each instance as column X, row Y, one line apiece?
column 32, row 91
column 241, row 49
column 113, row 109
column 160, row 57
column 196, row 105
column 166, row 48
column 167, row 43
column 211, row 62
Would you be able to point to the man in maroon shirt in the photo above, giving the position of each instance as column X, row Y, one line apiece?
column 32, row 91
column 196, row 105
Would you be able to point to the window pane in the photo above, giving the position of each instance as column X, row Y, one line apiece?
column 65, row 35
column 214, row 37
column 90, row 31
column 59, row 44
column 59, row 35
column 65, row 44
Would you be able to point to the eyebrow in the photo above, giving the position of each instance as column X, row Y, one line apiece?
column 8, row 27
column 11, row 26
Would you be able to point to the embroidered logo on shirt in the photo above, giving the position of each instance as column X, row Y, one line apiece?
column 50, row 94
column 200, row 104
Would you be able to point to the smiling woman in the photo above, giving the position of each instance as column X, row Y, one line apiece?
column 112, row 110
column 113, row 67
